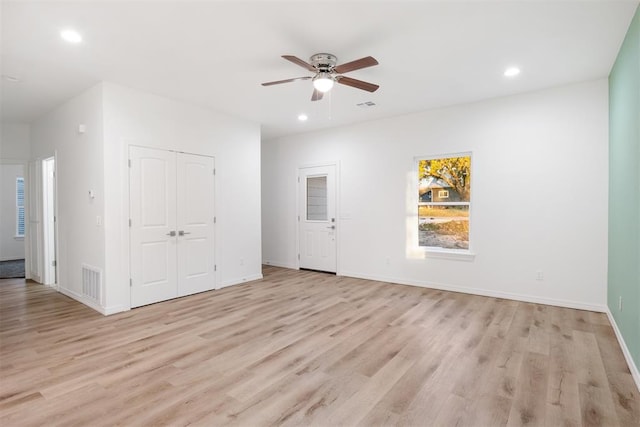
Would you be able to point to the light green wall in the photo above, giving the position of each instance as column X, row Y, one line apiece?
column 624, row 189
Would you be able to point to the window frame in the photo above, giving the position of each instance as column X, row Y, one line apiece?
column 308, row 197
column 435, row 251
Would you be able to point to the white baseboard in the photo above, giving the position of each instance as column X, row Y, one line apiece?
column 107, row 311
column 482, row 292
column 281, row 264
column 76, row 296
column 635, row 373
column 239, row 281
column 12, row 258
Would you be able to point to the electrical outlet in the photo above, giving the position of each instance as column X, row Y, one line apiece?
column 620, row 303
column 539, row 275
column 241, row 261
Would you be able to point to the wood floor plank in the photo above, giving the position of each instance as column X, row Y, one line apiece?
column 596, row 406
column 327, row 397
column 563, row 402
column 621, row 383
column 281, row 402
column 539, row 331
column 364, row 400
column 529, row 403
column 307, row 348
column 405, row 390
column 453, row 412
column 487, row 410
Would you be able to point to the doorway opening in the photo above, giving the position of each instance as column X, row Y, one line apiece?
column 12, row 220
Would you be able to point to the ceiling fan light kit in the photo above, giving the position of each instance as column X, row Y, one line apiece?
column 323, row 82
column 327, row 73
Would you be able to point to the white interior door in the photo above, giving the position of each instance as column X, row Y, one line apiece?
column 153, row 225
column 195, row 216
column 317, row 220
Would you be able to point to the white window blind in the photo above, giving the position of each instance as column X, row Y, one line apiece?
column 20, row 207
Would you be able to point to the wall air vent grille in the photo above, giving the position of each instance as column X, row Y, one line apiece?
column 367, row 104
column 92, row 283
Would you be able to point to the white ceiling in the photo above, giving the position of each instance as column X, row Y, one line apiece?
column 216, row 53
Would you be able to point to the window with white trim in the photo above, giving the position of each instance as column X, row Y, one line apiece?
column 444, row 201
column 20, row 207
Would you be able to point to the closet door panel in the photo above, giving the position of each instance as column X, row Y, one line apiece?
column 195, row 218
column 154, row 242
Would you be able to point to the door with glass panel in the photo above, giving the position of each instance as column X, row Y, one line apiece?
column 317, row 218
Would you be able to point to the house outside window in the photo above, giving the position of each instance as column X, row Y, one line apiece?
column 20, row 207
column 444, row 201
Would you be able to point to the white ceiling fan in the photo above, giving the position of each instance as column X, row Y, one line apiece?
column 327, row 73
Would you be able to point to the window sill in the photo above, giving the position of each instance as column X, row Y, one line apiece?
column 458, row 255
column 18, row 238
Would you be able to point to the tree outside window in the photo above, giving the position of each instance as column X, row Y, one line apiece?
column 444, row 200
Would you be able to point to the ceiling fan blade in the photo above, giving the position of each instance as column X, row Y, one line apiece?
column 285, row 81
column 368, row 61
column 358, row 84
column 317, row 95
column 299, row 62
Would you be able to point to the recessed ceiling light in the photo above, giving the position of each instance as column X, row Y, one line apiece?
column 12, row 79
column 511, row 72
column 302, row 117
column 72, row 36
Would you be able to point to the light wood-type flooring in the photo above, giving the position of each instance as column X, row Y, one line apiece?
column 305, row 348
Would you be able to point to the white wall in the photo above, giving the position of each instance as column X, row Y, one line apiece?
column 116, row 117
column 137, row 118
column 79, row 168
column 539, row 194
column 15, row 142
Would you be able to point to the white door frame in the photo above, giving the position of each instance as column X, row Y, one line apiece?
column 335, row 164
column 33, row 220
column 49, row 230
column 35, row 227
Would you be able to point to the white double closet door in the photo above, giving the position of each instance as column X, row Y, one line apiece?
column 172, row 224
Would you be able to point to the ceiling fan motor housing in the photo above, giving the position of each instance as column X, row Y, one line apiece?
column 323, row 61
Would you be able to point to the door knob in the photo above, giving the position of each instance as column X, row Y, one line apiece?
column 171, row 233
column 333, row 227
column 182, row 233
